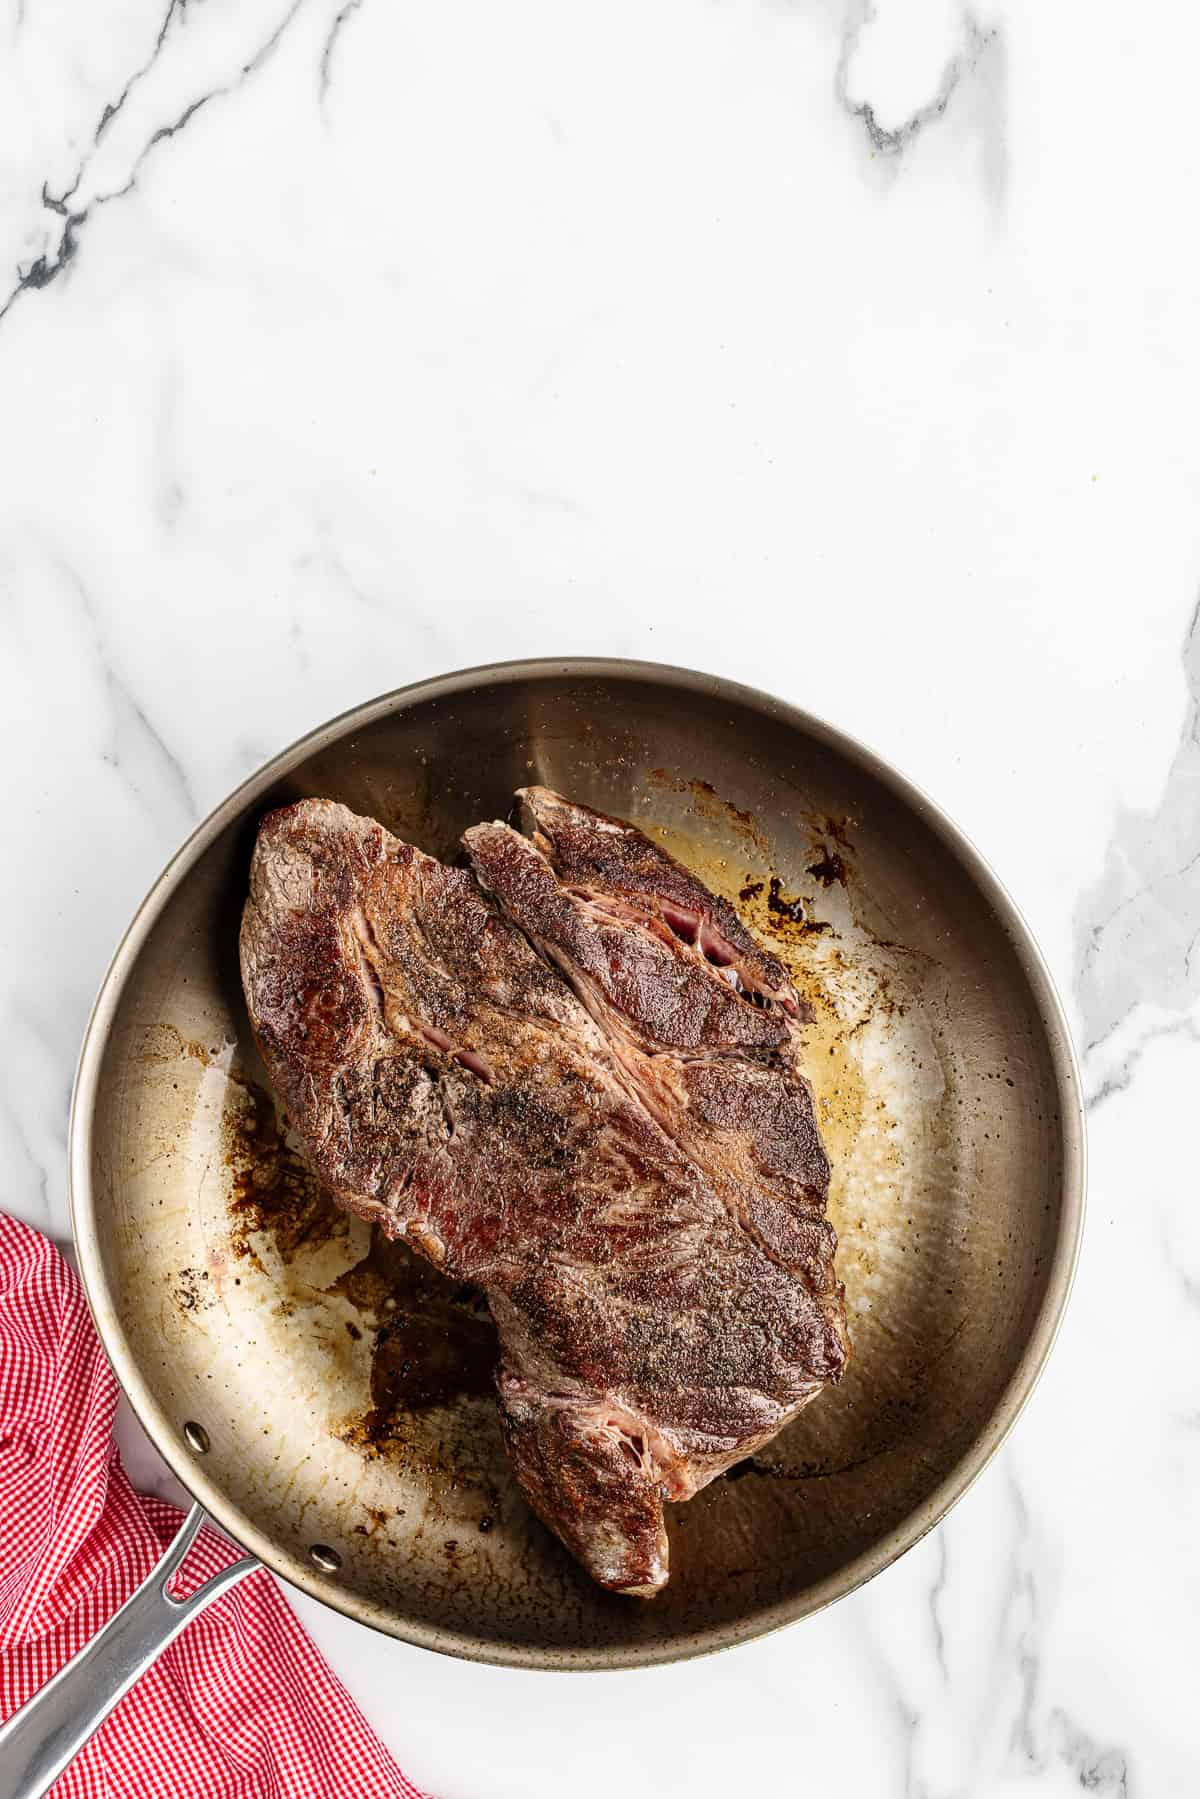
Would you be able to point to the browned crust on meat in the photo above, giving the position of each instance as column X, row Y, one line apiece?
column 621, row 860
column 448, row 1085
column 664, row 990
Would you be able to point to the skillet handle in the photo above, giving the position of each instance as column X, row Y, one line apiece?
column 38, row 1741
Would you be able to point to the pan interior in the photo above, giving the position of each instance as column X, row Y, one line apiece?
column 344, row 1392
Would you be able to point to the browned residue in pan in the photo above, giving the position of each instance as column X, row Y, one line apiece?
column 163, row 1043
column 791, row 912
column 707, row 803
column 192, row 1290
column 273, row 1189
column 829, row 868
column 432, row 1341
column 830, row 836
column 435, row 1341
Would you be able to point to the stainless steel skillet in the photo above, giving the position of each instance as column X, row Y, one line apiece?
column 251, row 1326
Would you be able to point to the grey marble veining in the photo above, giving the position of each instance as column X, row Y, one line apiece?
column 972, row 77
column 1139, row 924
column 328, row 49
column 110, row 167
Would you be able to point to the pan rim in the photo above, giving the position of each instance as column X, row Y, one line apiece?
column 854, row 1573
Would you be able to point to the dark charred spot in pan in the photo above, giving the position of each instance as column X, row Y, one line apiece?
column 829, row 869
column 192, row 1291
column 791, row 911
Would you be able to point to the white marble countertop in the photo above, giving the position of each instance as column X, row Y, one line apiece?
column 845, row 350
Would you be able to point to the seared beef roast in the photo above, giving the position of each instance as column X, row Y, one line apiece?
column 582, row 1094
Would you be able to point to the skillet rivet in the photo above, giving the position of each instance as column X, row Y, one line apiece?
column 196, row 1437
column 326, row 1559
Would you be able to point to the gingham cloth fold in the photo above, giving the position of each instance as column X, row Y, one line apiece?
column 241, row 1706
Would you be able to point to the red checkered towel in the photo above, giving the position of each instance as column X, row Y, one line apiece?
column 241, row 1706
